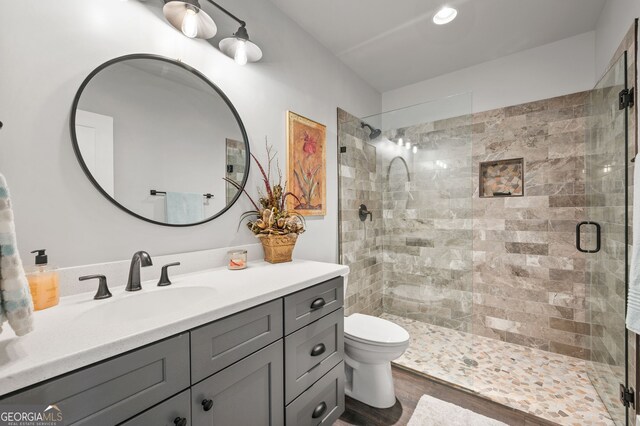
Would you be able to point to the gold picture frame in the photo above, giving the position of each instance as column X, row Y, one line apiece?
column 306, row 165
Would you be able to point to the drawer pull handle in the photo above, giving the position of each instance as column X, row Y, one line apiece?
column 319, row 410
column 207, row 404
column 318, row 349
column 318, row 303
column 180, row 421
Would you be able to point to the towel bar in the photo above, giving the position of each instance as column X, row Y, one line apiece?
column 154, row 192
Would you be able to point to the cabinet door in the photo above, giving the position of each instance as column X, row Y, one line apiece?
column 250, row 392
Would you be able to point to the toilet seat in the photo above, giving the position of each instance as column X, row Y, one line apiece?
column 374, row 331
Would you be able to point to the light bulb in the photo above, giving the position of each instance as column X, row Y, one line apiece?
column 408, row 145
column 190, row 24
column 415, row 149
column 241, row 53
column 400, row 142
column 445, row 15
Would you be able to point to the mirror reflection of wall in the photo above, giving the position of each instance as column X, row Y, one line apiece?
column 169, row 132
column 236, row 158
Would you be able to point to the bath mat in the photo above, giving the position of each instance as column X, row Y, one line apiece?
column 435, row 412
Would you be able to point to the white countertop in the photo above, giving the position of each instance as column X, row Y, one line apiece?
column 62, row 341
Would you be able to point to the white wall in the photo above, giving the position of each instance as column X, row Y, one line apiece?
column 47, row 49
column 555, row 69
column 616, row 18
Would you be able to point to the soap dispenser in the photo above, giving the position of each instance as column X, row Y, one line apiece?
column 43, row 282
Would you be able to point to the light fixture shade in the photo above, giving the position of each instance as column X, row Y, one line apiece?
column 202, row 26
column 230, row 45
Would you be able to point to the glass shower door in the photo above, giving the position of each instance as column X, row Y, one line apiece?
column 604, row 237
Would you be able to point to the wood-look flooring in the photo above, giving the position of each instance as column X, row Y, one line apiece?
column 411, row 386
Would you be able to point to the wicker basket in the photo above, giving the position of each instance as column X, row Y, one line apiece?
column 278, row 248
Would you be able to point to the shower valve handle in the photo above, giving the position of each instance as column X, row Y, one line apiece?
column 363, row 212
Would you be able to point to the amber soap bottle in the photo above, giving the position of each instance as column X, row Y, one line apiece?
column 43, row 282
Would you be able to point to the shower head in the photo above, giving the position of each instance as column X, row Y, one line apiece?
column 373, row 132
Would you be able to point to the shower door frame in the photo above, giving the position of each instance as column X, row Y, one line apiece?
column 626, row 386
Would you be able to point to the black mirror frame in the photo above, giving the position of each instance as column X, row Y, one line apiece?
column 76, row 147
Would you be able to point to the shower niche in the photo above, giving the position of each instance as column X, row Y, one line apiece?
column 502, row 178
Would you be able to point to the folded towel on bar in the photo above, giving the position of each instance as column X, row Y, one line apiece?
column 633, row 298
column 184, row 207
column 16, row 305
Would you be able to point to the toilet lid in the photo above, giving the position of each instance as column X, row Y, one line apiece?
column 374, row 330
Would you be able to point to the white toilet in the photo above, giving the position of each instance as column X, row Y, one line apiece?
column 370, row 344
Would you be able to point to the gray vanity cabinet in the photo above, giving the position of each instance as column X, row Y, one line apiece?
column 250, row 392
column 314, row 354
column 273, row 364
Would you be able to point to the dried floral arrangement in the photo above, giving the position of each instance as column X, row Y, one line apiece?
column 270, row 216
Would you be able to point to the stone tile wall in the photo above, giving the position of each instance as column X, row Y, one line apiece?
column 360, row 242
column 427, row 224
column 529, row 279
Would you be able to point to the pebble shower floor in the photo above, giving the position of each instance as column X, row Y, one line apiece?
column 550, row 386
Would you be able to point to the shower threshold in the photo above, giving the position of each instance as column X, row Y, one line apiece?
column 547, row 385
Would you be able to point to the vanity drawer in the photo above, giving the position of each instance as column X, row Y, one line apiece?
column 221, row 343
column 115, row 390
column 306, row 306
column 168, row 413
column 311, row 352
column 322, row 404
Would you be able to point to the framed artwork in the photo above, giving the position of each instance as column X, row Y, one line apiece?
column 502, row 178
column 306, row 165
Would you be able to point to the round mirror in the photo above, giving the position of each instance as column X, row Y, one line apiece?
column 158, row 140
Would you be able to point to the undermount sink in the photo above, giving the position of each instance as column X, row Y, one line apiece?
column 140, row 306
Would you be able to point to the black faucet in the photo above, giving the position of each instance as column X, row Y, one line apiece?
column 140, row 258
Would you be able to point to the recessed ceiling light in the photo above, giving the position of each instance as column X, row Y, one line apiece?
column 445, row 15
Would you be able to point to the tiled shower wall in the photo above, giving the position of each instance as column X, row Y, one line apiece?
column 428, row 224
column 360, row 242
column 529, row 279
column 505, row 268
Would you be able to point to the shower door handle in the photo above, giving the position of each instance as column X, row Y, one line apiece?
column 598, row 239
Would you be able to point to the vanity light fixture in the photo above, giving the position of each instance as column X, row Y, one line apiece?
column 445, row 15
column 188, row 17
column 240, row 48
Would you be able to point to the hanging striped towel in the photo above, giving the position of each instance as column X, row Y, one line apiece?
column 633, row 298
column 16, row 305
